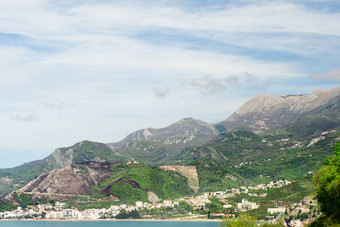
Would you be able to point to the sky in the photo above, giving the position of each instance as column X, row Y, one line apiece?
column 98, row 70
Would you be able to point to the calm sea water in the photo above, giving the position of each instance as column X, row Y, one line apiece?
column 106, row 224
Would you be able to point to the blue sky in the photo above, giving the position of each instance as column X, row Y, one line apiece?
column 99, row 70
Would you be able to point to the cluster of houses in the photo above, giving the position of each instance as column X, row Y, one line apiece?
column 58, row 211
column 272, row 184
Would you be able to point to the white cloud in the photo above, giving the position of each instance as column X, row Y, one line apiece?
column 330, row 75
column 208, row 84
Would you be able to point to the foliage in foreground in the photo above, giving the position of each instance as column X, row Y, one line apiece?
column 244, row 220
column 325, row 221
column 327, row 185
column 327, row 191
column 241, row 220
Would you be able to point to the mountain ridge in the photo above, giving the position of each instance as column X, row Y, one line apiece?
column 181, row 133
column 281, row 112
column 292, row 118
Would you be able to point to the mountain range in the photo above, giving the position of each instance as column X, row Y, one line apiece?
column 269, row 137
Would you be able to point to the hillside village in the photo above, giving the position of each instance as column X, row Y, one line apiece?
column 59, row 210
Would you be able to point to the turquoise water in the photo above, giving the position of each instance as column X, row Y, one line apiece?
column 106, row 224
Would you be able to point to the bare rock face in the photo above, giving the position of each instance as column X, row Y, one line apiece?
column 152, row 197
column 59, row 159
column 190, row 172
column 70, row 181
column 265, row 112
column 182, row 133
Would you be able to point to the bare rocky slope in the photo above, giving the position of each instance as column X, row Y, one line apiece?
column 81, row 152
column 267, row 112
column 70, row 181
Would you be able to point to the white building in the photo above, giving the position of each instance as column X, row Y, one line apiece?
column 54, row 215
column 246, row 205
column 168, row 203
column 276, row 210
column 139, row 204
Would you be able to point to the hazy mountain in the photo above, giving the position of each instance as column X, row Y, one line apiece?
column 304, row 114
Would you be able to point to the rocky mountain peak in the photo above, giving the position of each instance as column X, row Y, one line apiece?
column 181, row 133
column 266, row 111
column 83, row 151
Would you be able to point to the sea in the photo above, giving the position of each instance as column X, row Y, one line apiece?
column 106, row 224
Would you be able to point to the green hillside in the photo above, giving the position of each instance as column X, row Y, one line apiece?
column 132, row 182
column 88, row 151
column 242, row 157
column 150, row 152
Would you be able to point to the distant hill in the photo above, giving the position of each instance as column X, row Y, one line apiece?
column 161, row 146
column 186, row 132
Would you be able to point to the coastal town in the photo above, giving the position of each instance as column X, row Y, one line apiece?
column 60, row 210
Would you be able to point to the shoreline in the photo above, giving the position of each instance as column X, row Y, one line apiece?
column 114, row 220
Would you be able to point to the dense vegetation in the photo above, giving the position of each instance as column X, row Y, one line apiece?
column 132, row 182
column 150, row 152
column 327, row 189
column 128, row 194
column 23, row 199
column 87, row 151
column 6, row 206
column 128, row 215
column 214, row 176
column 291, row 193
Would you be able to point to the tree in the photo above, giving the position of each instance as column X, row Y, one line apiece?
column 327, row 185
